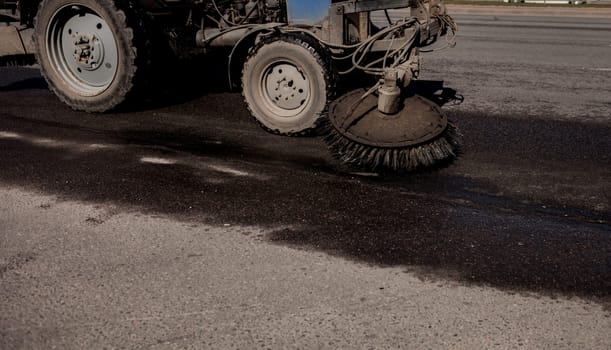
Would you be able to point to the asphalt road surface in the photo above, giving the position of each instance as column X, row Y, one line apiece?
column 180, row 224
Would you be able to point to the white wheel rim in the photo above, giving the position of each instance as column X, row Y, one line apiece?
column 82, row 49
column 286, row 89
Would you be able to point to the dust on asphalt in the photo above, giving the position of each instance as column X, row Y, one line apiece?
column 223, row 169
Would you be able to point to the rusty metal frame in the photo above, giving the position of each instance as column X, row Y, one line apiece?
column 339, row 10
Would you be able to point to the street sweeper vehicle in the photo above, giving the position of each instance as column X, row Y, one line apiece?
column 294, row 57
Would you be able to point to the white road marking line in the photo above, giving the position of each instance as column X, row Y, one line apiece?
column 54, row 143
column 601, row 69
column 364, row 174
column 83, row 147
column 156, row 160
column 50, row 142
column 99, row 146
column 228, row 170
column 214, row 142
column 9, row 135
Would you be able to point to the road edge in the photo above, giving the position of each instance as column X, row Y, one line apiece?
column 459, row 9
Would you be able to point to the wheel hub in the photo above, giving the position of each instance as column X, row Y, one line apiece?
column 286, row 87
column 88, row 51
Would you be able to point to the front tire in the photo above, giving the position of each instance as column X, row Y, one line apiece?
column 89, row 51
column 287, row 84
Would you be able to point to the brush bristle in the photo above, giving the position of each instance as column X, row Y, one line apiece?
column 441, row 150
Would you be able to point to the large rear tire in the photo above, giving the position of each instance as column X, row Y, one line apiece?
column 90, row 51
column 287, row 83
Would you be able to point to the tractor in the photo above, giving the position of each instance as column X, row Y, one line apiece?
column 294, row 55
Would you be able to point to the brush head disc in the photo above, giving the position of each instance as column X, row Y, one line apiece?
column 419, row 136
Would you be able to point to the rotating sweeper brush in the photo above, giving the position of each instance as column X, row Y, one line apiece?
column 388, row 127
column 384, row 130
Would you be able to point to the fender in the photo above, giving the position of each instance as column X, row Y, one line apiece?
column 248, row 41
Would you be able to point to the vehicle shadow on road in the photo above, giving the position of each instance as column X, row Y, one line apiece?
column 442, row 225
column 27, row 84
column 182, row 81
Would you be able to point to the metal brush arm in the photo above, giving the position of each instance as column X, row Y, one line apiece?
column 355, row 6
